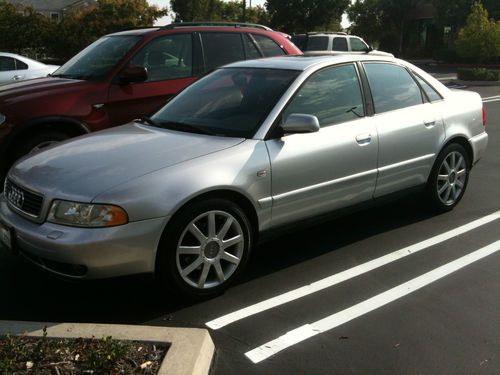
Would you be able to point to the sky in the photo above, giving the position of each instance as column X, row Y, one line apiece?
column 168, row 19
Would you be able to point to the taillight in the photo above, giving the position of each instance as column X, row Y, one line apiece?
column 484, row 117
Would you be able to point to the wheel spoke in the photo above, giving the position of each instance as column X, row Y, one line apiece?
column 222, row 233
column 442, row 177
column 232, row 241
column 452, row 161
column 195, row 231
column 447, row 195
column 443, row 188
column 189, row 250
column 186, row 271
column 230, row 258
column 219, row 272
column 211, row 224
column 460, row 162
column 453, row 193
column 461, row 173
column 459, row 183
column 448, row 169
column 204, row 274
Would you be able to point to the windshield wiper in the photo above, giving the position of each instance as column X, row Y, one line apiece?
column 177, row 126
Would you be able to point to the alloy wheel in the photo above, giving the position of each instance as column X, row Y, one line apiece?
column 210, row 249
column 451, row 178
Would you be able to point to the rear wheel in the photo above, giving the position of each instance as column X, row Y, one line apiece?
column 205, row 248
column 449, row 177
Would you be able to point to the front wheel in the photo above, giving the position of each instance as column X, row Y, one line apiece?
column 449, row 176
column 205, row 248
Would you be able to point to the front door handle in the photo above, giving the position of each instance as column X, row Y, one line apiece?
column 15, row 78
column 430, row 123
column 364, row 139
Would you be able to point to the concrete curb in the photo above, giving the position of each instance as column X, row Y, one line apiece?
column 191, row 349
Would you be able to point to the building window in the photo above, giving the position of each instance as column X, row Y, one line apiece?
column 54, row 17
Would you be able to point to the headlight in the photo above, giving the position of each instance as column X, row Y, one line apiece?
column 86, row 215
column 2, row 119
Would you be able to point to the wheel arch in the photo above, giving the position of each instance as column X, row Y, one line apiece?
column 228, row 194
column 66, row 125
column 463, row 141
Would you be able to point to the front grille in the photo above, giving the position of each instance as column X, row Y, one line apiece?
column 22, row 199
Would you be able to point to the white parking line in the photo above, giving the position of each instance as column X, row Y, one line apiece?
column 346, row 275
column 492, row 97
column 309, row 330
column 491, row 100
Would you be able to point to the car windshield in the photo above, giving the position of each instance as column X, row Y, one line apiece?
column 97, row 60
column 231, row 102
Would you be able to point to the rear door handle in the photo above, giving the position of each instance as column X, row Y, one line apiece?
column 430, row 124
column 17, row 77
column 364, row 139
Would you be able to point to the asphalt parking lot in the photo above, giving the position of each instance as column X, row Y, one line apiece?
column 392, row 289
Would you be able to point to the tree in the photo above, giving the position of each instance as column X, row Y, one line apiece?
column 194, row 10
column 22, row 32
column 83, row 26
column 479, row 40
column 382, row 22
column 305, row 15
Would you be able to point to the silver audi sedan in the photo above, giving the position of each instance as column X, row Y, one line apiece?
column 253, row 146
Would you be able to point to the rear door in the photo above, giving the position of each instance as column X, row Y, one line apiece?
column 171, row 64
column 333, row 168
column 410, row 129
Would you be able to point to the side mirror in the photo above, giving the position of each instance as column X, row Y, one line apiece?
column 300, row 123
column 369, row 49
column 133, row 74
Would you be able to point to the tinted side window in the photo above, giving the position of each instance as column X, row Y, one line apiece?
column 268, row 46
column 20, row 65
column 392, row 87
column 167, row 57
column 317, row 43
column 6, row 64
column 357, row 45
column 339, row 44
column 333, row 95
column 251, row 50
column 221, row 49
column 429, row 90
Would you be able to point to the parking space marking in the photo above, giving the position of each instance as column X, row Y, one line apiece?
column 309, row 330
column 492, row 97
column 491, row 100
column 347, row 274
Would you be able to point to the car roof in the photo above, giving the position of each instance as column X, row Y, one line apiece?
column 183, row 26
column 303, row 62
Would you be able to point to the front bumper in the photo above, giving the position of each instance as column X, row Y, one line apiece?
column 86, row 253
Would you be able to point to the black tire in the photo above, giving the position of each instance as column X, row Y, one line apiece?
column 443, row 194
column 39, row 141
column 170, row 261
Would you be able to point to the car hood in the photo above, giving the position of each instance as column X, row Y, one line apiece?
column 21, row 91
column 82, row 168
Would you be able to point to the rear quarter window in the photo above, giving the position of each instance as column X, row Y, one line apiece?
column 268, row 46
column 221, row 49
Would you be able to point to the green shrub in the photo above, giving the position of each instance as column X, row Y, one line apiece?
column 479, row 40
column 478, row 74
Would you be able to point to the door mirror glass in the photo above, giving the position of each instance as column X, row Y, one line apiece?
column 300, row 123
column 133, row 74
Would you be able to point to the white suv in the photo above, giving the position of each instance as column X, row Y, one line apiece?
column 337, row 42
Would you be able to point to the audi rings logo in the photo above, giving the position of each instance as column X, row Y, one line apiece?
column 15, row 196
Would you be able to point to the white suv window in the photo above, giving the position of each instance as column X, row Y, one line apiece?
column 339, row 44
column 317, row 43
column 358, row 45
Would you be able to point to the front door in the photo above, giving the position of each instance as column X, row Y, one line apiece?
column 169, row 62
column 333, row 168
